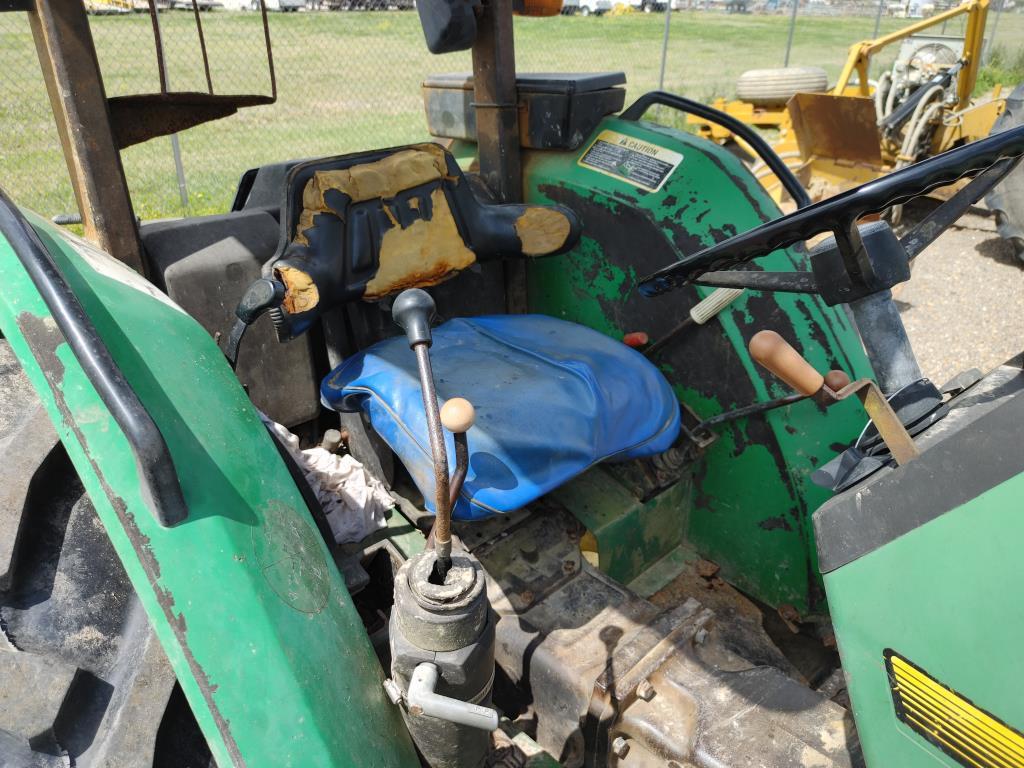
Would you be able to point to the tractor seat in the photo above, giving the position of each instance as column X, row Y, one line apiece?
column 552, row 398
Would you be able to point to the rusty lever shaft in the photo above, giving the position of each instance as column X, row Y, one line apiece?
column 413, row 310
column 457, row 416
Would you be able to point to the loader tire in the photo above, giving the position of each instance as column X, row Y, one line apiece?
column 1007, row 200
column 84, row 679
column 774, row 87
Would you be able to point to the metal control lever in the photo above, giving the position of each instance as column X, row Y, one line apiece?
column 262, row 295
column 773, row 352
column 413, row 310
column 423, row 700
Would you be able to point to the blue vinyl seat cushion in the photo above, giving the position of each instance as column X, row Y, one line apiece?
column 551, row 397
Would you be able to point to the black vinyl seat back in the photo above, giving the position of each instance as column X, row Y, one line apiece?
column 365, row 226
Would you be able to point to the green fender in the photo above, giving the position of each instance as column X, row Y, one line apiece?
column 244, row 595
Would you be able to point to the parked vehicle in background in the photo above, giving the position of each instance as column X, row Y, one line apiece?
column 368, row 5
column 202, row 5
column 729, row 6
column 648, row 5
column 586, row 7
column 106, row 7
column 252, row 5
column 279, row 5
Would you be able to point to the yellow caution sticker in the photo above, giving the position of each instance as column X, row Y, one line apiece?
column 950, row 721
column 633, row 161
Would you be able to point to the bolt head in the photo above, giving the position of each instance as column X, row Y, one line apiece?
column 620, row 747
column 701, row 636
column 645, row 690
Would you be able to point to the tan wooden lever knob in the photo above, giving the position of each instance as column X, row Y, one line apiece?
column 458, row 415
column 775, row 353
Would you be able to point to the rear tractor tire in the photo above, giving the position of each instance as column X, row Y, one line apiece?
column 774, row 87
column 1007, row 200
column 84, row 680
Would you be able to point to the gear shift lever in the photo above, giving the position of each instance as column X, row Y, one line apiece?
column 413, row 310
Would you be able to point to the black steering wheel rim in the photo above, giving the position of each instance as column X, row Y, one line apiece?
column 839, row 214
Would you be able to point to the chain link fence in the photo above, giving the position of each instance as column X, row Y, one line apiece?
column 349, row 79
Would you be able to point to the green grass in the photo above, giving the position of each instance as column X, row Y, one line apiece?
column 1005, row 67
column 350, row 80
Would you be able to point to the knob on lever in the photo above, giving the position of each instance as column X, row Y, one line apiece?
column 773, row 352
column 413, row 310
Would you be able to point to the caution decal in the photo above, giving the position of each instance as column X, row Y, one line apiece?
column 634, row 161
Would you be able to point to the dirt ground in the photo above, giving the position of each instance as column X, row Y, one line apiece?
column 964, row 304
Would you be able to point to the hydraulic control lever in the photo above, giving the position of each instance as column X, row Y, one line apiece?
column 413, row 310
column 262, row 295
column 774, row 353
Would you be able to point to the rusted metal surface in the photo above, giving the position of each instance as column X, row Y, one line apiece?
column 141, row 117
column 840, row 127
column 442, row 531
column 669, row 679
column 882, row 415
column 888, row 424
column 74, row 84
column 461, row 468
column 93, row 129
column 496, row 103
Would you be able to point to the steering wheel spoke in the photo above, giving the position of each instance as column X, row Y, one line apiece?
column 864, row 267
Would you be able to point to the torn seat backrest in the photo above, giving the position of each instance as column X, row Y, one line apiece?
column 365, row 226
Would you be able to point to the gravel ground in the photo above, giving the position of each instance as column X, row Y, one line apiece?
column 964, row 304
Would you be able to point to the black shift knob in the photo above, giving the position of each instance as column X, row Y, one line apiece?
column 413, row 310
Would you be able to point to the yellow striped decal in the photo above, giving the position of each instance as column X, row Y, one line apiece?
column 965, row 732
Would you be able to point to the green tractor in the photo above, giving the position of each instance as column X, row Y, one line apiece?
column 494, row 450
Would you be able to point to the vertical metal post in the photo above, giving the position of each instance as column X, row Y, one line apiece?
column 496, row 102
column 165, row 85
column 71, row 71
column 792, row 28
column 179, row 170
column 664, row 44
column 992, row 36
column 878, row 18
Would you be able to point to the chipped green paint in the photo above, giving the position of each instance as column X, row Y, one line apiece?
column 752, row 495
column 632, row 535
column 254, row 618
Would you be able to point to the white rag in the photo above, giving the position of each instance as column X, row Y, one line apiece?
column 353, row 499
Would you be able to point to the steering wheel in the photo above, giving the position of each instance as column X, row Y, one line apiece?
column 844, row 268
